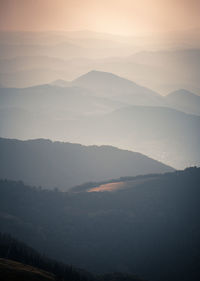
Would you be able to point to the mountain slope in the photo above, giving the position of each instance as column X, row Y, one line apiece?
column 15, row 271
column 150, row 227
column 110, row 85
column 21, row 262
column 55, row 100
column 169, row 69
column 63, row 165
column 162, row 133
column 185, row 101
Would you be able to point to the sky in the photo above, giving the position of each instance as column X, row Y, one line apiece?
column 125, row 17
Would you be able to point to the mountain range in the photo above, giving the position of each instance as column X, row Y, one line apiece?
column 163, row 68
column 102, row 108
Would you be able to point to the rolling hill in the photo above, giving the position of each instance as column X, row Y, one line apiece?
column 106, row 84
column 149, row 227
column 53, row 99
column 162, row 133
column 21, row 262
column 95, row 109
column 185, row 101
column 56, row 164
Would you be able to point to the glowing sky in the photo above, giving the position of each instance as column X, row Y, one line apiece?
column 113, row 16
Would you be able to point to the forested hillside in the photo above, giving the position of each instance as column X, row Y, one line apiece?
column 20, row 262
column 149, row 227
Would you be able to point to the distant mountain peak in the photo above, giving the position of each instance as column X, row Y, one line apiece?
column 101, row 74
column 96, row 78
column 185, row 101
column 182, row 92
column 106, row 84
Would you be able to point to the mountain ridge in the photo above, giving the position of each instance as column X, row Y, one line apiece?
column 184, row 100
column 63, row 165
column 154, row 219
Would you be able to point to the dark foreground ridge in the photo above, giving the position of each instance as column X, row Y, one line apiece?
column 20, row 262
column 150, row 227
column 15, row 271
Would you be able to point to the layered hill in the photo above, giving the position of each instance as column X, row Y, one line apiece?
column 63, row 165
column 53, row 100
column 162, row 133
column 106, row 84
column 102, row 108
column 185, row 101
column 149, row 226
column 28, row 59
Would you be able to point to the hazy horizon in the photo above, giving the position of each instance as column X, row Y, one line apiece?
column 113, row 16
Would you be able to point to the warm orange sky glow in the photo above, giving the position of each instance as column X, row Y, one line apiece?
column 114, row 16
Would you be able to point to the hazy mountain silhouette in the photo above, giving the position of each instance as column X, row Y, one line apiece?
column 185, row 101
column 60, row 50
column 63, row 165
column 150, row 227
column 170, row 69
column 27, row 71
column 176, row 39
column 82, row 115
column 161, row 133
column 54, row 99
column 176, row 64
column 110, row 85
column 165, row 134
column 29, row 77
column 61, row 83
column 67, row 49
column 163, row 71
column 31, row 62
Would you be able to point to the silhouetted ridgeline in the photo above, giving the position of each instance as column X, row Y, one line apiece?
column 13, row 250
column 16, row 271
column 102, row 108
column 149, row 227
column 64, row 165
column 185, row 101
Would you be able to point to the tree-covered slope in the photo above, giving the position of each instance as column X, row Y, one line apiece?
column 21, row 262
column 64, row 165
column 150, row 227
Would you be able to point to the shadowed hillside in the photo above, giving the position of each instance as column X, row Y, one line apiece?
column 63, row 165
column 15, row 271
column 185, row 101
column 20, row 262
column 149, row 227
